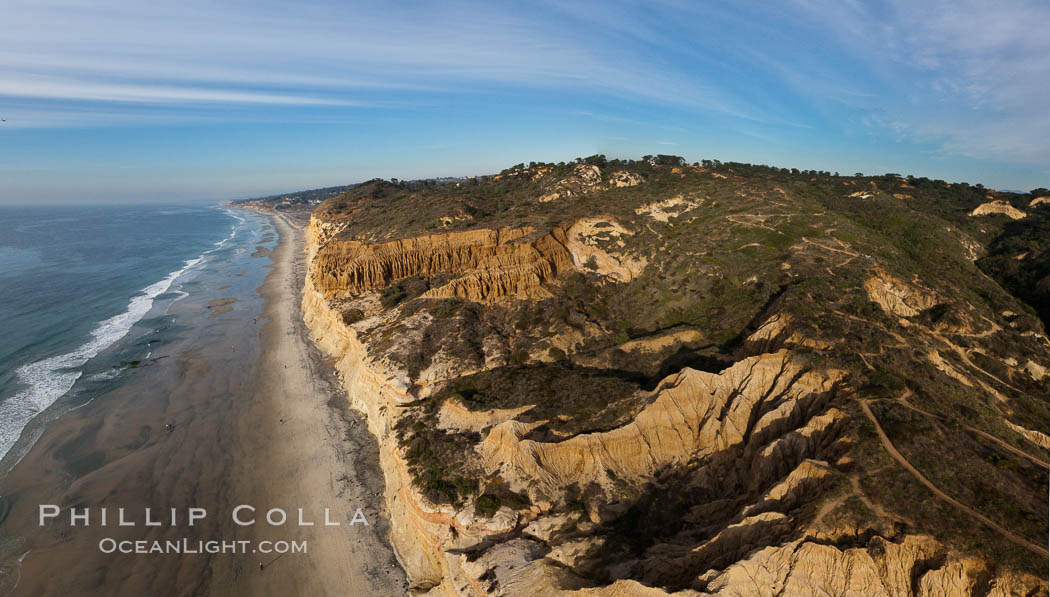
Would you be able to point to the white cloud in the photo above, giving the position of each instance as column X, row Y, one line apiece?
column 197, row 51
column 23, row 86
column 969, row 76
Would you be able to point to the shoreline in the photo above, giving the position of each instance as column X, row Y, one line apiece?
column 49, row 379
column 316, row 448
column 232, row 376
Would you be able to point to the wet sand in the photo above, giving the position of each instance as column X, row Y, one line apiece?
column 225, row 385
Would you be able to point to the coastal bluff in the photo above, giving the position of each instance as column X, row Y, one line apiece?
column 576, row 393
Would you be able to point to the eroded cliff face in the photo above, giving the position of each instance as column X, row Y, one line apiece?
column 369, row 391
column 731, row 478
column 692, row 414
column 489, row 264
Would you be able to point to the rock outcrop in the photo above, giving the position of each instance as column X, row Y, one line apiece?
column 777, row 331
column 620, row 179
column 660, row 342
column 662, row 211
column 584, row 178
column 898, row 297
column 1036, row 437
column 998, row 207
column 585, row 239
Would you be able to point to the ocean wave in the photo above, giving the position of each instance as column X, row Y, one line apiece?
column 111, row 373
column 233, row 232
column 222, row 243
column 49, row 379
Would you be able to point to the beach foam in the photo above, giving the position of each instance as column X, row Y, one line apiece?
column 49, row 379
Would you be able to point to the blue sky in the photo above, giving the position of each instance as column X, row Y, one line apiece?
column 118, row 100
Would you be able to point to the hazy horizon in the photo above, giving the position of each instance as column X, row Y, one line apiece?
column 115, row 101
column 179, row 199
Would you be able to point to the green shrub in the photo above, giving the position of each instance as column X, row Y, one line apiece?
column 487, row 505
column 392, row 296
column 886, row 378
column 519, row 357
column 352, row 316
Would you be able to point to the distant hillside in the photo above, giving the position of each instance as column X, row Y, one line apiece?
column 297, row 201
column 306, row 201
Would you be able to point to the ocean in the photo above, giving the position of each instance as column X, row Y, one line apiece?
column 84, row 293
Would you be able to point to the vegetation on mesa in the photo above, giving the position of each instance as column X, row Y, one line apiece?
column 665, row 267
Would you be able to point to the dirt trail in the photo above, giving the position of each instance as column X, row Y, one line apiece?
column 886, row 443
column 903, row 400
column 833, row 249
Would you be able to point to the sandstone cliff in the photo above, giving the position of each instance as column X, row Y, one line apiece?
column 667, row 463
column 488, row 264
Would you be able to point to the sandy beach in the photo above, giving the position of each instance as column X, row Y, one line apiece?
column 257, row 419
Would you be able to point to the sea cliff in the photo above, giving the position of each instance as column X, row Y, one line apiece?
column 529, row 447
column 420, row 532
